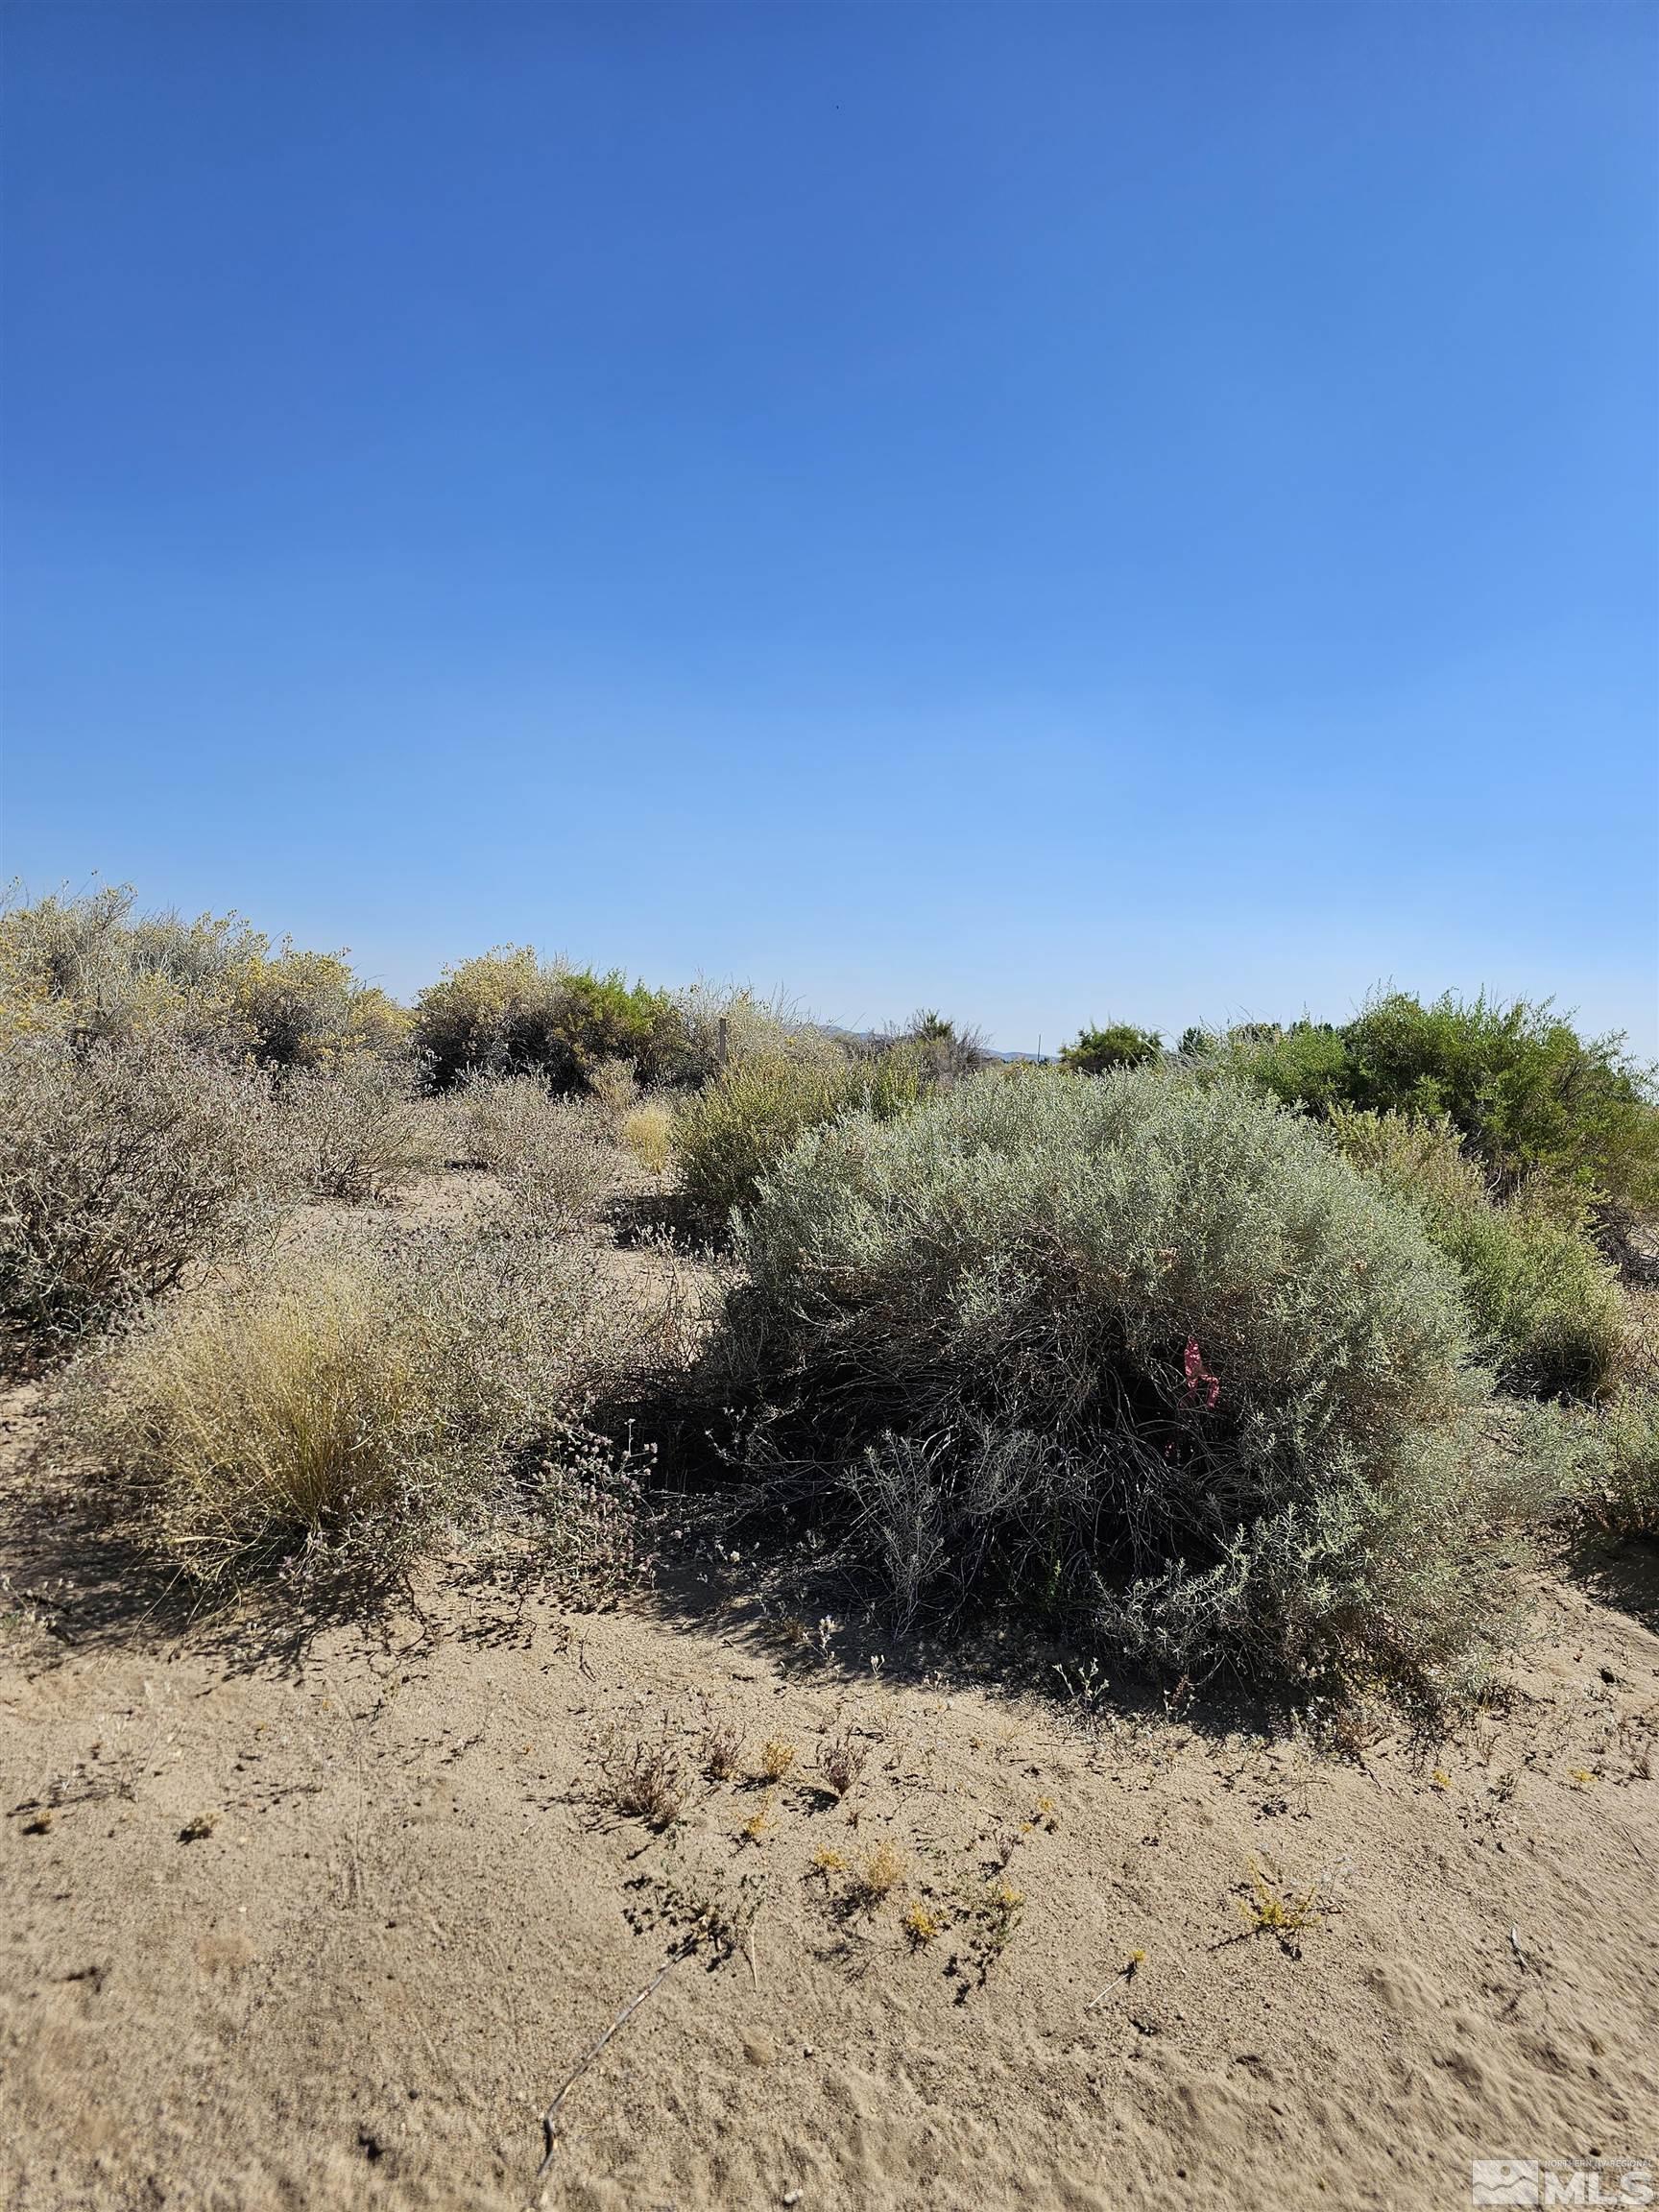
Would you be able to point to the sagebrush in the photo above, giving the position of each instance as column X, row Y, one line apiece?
column 1140, row 1351
column 124, row 1169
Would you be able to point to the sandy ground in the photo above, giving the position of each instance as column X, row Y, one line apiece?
column 325, row 1917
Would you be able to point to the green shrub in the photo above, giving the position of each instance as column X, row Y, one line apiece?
column 1306, row 1065
column 1120, row 1045
column 366, row 1401
column 1547, row 1311
column 123, row 1168
column 1532, row 1098
column 1141, row 1350
column 601, row 1018
column 509, row 1011
column 730, row 1133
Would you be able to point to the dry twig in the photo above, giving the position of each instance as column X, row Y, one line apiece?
column 550, row 2118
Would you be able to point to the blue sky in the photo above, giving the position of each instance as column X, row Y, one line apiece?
column 1057, row 512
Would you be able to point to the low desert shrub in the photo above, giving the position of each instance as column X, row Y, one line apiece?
column 1140, row 1351
column 500, row 1116
column 1120, row 1045
column 308, row 1010
column 358, row 1131
column 1618, row 1447
column 94, row 970
column 724, row 1024
column 615, row 1091
column 355, row 1399
column 732, row 1133
column 933, row 1044
column 556, row 1158
column 89, row 967
column 124, row 1168
column 1547, row 1309
column 486, row 1016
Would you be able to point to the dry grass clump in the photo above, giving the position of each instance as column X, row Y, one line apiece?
column 1138, row 1350
column 921, row 1925
column 841, row 1762
column 873, row 1879
column 643, row 1781
column 358, row 1131
column 124, row 1168
column 777, row 1757
column 1270, row 1908
column 648, row 1132
column 347, row 1398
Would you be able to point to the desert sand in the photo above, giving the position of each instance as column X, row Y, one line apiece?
column 325, row 1914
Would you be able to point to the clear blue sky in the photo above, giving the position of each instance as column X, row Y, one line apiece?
column 1051, row 512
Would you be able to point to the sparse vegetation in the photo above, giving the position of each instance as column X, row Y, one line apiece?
column 872, row 1878
column 722, row 1752
column 760, row 1822
column 778, row 1755
column 1271, row 1908
column 841, row 1762
column 643, row 1780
